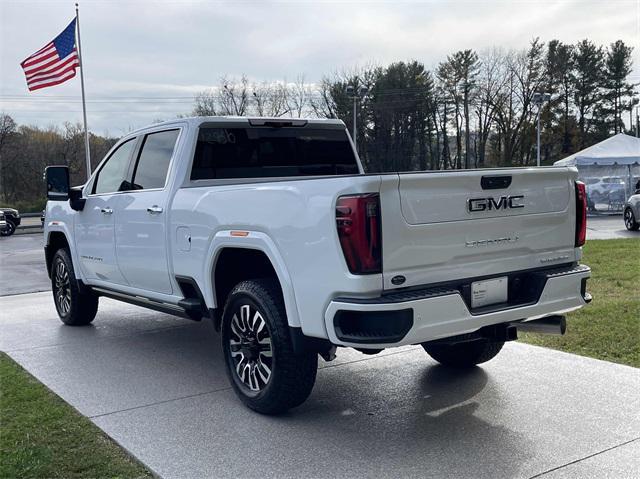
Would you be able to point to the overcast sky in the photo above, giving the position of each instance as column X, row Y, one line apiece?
column 173, row 49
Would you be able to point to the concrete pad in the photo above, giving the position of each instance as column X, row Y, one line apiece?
column 30, row 321
column 157, row 386
column 400, row 416
column 610, row 464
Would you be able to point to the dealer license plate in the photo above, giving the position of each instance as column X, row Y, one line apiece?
column 487, row 292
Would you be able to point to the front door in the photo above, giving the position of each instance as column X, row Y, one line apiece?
column 95, row 224
column 95, row 239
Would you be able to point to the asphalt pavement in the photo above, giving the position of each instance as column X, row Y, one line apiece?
column 608, row 227
column 157, row 386
column 22, row 267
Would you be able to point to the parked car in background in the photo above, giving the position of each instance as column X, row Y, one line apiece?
column 600, row 189
column 632, row 212
column 12, row 217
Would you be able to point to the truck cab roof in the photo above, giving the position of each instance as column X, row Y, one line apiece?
column 197, row 121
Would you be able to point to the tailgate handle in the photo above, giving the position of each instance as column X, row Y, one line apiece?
column 497, row 182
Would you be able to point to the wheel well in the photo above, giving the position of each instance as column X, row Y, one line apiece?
column 57, row 240
column 239, row 264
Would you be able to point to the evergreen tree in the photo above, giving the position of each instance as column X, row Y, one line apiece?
column 589, row 78
column 560, row 68
column 465, row 65
column 618, row 91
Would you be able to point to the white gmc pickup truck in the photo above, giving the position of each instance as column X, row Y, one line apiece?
column 270, row 228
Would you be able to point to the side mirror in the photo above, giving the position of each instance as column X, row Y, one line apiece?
column 57, row 178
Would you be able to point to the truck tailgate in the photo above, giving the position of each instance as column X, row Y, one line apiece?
column 445, row 226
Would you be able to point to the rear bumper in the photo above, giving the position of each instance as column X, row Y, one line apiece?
column 417, row 316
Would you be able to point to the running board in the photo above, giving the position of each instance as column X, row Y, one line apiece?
column 167, row 308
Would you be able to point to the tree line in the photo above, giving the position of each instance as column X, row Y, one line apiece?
column 472, row 110
column 25, row 151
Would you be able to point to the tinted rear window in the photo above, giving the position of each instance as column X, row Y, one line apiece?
column 153, row 162
column 271, row 152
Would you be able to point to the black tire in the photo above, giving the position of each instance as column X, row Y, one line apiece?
column 10, row 229
column 630, row 220
column 75, row 307
column 258, row 307
column 464, row 355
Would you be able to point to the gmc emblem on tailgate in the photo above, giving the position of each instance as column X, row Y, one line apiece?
column 502, row 203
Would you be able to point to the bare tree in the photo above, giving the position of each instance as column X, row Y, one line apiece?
column 323, row 104
column 299, row 97
column 490, row 84
column 234, row 96
column 279, row 103
column 524, row 73
column 206, row 103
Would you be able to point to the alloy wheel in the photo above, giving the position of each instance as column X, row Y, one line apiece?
column 11, row 228
column 62, row 286
column 250, row 347
column 628, row 219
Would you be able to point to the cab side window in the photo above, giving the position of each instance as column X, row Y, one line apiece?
column 154, row 159
column 114, row 172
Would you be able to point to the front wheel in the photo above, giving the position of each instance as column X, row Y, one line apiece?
column 463, row 355
column 10, row 229
column 75, row 307
column 630, row 221
column 264, row 371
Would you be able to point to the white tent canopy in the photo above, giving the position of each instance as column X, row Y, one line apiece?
column 620, row 149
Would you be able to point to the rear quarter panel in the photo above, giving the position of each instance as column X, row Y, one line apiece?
column 292, row 221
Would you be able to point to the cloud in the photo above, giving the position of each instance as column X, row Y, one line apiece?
column 160, row 49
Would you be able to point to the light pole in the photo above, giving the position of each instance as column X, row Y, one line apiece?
column 634, row 104
column 360, row 94
column 539, row 99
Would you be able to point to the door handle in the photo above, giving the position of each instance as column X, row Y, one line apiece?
column 106, row 210
column 154, row 210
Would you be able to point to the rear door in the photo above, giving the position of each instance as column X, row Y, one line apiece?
column 141, row 222
column 446, row 226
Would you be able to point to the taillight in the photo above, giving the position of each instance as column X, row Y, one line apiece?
column 581, row 213
column 358, row 223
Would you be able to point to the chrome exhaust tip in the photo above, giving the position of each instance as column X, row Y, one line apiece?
column 550, row 325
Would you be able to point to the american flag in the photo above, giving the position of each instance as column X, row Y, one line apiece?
column 54, row 63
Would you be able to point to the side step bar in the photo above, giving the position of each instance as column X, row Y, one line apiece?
column 184, row 310
column 549, row 325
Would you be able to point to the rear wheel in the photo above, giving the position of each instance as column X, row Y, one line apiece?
column 264, row 371
column 630, row 220
column 75, row 307
column 464, row 355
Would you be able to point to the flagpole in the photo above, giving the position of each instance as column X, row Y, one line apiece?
column 84, row 105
